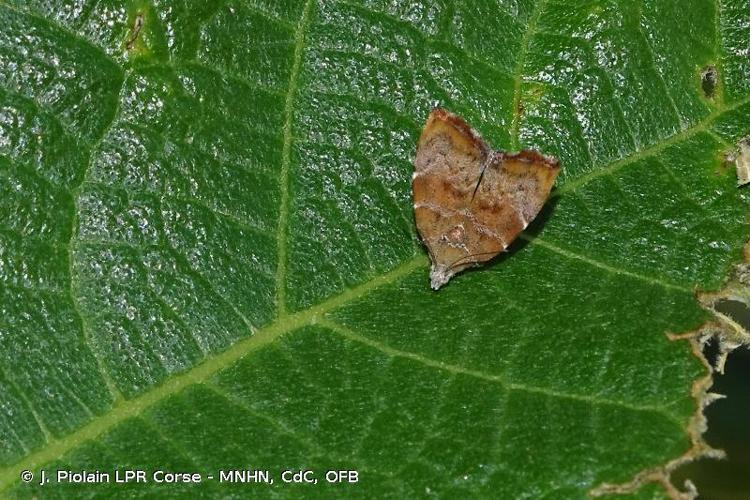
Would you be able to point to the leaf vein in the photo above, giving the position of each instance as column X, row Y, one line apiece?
column 286, row 160
column 515, row 116
column 500, row 380
column 601, row 265
column 702, row 126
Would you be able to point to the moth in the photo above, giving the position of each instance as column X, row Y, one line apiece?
column 471, row 202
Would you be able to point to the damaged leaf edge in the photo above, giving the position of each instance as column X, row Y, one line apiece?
column 739, row 155
column 729, row 335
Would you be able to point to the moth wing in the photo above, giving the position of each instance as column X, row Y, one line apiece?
column 447, row 166
column 449, row 159
column 513, row 190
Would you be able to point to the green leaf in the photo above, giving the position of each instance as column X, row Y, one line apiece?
column 208, row 259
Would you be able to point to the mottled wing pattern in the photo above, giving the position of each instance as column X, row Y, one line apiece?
column 470, row 203
column 447, row 166
column 512, row 192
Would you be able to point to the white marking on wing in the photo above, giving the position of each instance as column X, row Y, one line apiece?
column 445, row 212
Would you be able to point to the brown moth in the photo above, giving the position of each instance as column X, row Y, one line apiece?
column 471, row 202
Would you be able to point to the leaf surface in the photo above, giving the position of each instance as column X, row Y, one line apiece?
column 208, row 259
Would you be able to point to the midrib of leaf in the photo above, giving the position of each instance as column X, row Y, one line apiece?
column 286, row 322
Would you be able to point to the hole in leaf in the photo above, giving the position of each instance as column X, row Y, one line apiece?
column 135, row 31
column 709, row 81
column 727, row 429
column 735, row 309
